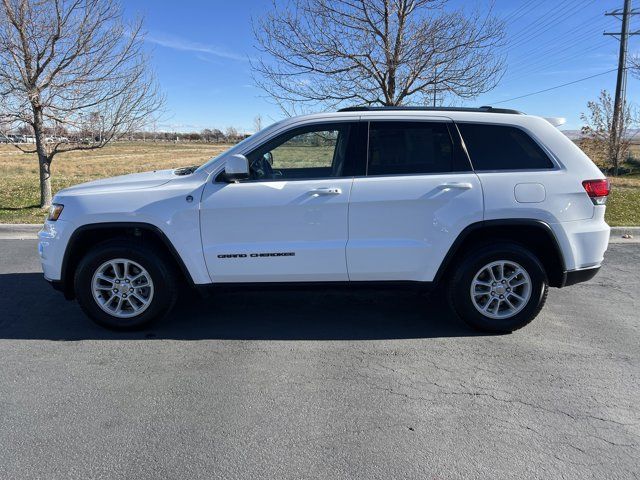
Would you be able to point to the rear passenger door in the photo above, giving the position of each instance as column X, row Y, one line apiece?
column 418, row 194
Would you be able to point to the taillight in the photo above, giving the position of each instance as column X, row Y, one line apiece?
column 598, row 190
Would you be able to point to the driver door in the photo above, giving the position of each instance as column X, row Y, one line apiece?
column 288, row 221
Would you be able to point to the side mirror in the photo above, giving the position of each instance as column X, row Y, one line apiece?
column 236, row 168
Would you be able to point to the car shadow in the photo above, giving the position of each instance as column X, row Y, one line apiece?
column 30, row 309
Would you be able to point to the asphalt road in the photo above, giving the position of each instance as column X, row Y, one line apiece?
column 320, row 385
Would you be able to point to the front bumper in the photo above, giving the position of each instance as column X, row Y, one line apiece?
column 53, row 239
column 57, row 285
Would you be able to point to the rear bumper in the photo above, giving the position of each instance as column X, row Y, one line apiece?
column 578, row 276
column 583, row 242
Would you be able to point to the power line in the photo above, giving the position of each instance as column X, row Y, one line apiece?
column 523, row 10
column 551, row 52
column 568, row 55
column 543, row 23
column 519, row 11
column 539, row 53
column 546, row 71
column 554, row 88
column 577, row 34
column 537, row 22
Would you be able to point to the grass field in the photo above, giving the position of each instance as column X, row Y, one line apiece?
column 19, row 194
column 623, row 205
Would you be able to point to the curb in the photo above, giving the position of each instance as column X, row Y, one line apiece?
column 27, row 231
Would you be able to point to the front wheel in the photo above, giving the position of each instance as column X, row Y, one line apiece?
column 125, row 285
column 498, row 288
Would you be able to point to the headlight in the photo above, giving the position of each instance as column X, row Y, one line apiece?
column 54, row 212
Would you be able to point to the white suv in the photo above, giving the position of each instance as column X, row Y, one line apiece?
column 495, row 205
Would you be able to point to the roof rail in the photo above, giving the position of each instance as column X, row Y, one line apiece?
column 485, row 109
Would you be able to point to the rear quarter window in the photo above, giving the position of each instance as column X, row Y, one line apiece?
column 502, row 147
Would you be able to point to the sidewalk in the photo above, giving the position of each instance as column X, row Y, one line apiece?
column 24, row 231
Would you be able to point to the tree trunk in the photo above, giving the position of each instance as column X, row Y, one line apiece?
column 45, row 181
column 44, row 160
column 616, row 156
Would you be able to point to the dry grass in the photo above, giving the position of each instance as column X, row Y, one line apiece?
column 629, row 181
column 19, row 194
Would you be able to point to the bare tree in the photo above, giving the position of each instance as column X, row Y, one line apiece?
column 330, row 53
column 231, row 134
column 218, row 135
column 257, row 123
column 634, row 65
column 72, row 64
column 599, row 142
column 207, row 134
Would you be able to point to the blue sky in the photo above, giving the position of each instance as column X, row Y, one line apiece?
column 200, row 51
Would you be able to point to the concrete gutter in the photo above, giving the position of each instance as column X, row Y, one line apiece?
column 25, row 231
column 19, row 231
column 618, row 234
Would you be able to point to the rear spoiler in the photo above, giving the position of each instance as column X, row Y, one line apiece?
column 556, row 121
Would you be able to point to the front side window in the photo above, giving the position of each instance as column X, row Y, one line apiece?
column 397, row 148
column 502, row 147
column 317, row 151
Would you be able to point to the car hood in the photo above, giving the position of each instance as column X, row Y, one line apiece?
column 133, row 181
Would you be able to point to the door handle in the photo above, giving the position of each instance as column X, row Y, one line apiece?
column 326, row 191
column 456, row 185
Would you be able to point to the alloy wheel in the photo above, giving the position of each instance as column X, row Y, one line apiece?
column 122, row 288
column 501, row 289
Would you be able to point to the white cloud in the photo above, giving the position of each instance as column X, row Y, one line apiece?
column 177, row 43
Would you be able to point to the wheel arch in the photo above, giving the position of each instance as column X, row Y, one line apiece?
column 534, row 235
column 86, row 236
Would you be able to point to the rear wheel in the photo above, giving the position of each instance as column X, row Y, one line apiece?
column 498, row 288
column 125, row 285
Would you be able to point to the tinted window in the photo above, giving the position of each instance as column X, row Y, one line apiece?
column 409, row 147
column 310, row 152
column 500, row 147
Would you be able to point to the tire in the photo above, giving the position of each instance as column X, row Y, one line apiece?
column 151, row 299
column 492, row 308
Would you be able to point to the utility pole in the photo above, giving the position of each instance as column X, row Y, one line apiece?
column 617, row 122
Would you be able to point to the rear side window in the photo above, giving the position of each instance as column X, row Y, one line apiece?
column 409, row 147
column 501, row 147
